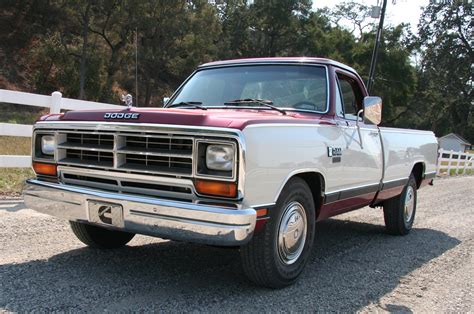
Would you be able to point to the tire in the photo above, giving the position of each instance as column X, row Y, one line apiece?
column 265, row 262
column 399, row 212
column 102, row 238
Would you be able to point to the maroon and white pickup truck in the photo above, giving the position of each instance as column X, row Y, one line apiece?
column 248, row 153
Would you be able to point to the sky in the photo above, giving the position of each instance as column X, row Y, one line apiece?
column 403, row 11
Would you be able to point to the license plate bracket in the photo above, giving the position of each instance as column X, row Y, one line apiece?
column 106, row 213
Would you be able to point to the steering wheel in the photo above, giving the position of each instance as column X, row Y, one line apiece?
column 307, row 105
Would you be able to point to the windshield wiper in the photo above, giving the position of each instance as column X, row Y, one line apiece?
column 192, row 104
column 263, row 102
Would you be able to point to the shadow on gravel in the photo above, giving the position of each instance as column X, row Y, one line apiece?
column 353, row 264
column 12, row 206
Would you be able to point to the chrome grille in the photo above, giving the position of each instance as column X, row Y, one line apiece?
column 89, row 157
column 126, row 184
column 128, row 152
column 165, row 145
column 157, row 163
column 90, row 140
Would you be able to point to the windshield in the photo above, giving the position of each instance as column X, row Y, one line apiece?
column 286, row 86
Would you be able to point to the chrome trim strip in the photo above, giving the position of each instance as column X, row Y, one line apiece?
column 400, row 179
column 277, row 61
column 171, row 218
column 263, row 205
column 227, row 226
column 141, row 127
column 394, row 184
column 409, row 131
column 355, row 188
column 53, row 199
column 345, row 194
column 128, row 177
column 260, row 125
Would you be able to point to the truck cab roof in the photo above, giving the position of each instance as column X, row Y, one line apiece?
column 277, row 60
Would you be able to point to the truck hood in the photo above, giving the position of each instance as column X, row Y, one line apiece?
column 224, row 118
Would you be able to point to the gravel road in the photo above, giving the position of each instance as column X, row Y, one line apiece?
column 355, row 266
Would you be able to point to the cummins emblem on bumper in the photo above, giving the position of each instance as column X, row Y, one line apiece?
column 106, row 213
column 121, row 115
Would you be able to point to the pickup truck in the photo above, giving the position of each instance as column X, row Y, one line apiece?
column 247, row 153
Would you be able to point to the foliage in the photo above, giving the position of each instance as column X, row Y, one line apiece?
column 86, row 49
column 444, row 98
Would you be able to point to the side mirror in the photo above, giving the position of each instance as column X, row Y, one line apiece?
column 165, row 100
column 372, row 110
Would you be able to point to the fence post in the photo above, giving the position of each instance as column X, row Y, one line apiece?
column 449, row 162
column 55, row 102
column 466, row 163
column 440, row 155
column 458, row 166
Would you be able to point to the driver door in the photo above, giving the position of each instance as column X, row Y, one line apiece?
column 362, row 159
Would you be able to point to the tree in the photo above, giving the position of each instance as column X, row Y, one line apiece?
column 354, row 13
column 445, row 94
column 276, row 25
column 174, row 37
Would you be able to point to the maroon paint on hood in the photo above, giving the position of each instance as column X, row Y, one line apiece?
column 224, row 118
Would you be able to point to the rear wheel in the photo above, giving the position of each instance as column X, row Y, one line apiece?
column 399, row 212
column 97, row 237
column 277, row 255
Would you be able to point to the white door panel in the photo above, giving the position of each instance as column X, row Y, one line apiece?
column 362, row 162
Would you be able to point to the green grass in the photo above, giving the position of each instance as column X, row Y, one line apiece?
column 12, row 179
column 454, row 172
column 20, row 114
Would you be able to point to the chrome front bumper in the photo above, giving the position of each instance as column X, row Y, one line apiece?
column 150, row 216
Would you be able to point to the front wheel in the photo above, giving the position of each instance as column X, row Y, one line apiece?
column 277, row 255
column 399, row 212
column 102, row 238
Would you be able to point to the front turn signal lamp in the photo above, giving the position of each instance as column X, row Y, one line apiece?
column 45, row 169
column 216, row 188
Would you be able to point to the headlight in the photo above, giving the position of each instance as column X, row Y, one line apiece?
column 220, row 157
column 47, row 145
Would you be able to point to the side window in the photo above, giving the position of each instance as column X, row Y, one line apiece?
column 351, row 96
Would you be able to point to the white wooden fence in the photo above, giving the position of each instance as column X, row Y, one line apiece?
column 462, row 163
column 455, row 163
column 55, row 103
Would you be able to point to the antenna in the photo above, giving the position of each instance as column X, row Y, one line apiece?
column 378, row 38
column 136, row 66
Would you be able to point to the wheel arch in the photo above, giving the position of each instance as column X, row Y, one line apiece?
column 418, row 171
column 316, row 182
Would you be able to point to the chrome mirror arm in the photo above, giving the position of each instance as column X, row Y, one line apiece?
column 359, row 113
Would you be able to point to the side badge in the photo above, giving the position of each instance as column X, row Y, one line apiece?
column 335, row 153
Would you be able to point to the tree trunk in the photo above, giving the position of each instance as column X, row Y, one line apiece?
column 147, row 92
column 85, row 35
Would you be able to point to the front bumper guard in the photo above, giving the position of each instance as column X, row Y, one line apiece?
column 150, row 216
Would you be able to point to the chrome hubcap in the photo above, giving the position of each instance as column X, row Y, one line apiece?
column 292, row 233
column 409, row 204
